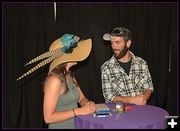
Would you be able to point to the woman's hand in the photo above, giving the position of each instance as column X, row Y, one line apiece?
column 88, row 108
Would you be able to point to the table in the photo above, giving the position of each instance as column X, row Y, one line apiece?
column 140, row 117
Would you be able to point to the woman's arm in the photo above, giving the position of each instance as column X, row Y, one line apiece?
column 52, row 91
column 82, row 99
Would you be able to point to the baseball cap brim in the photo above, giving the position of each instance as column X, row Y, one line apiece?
column 106, row 37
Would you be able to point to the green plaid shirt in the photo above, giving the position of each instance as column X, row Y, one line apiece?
column 115, row 82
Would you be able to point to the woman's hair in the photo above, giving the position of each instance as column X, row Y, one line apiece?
column 60, row 72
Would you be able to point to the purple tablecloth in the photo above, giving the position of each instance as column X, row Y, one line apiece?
column 140, row 117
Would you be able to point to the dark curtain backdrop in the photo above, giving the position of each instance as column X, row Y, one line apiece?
column 30, row 28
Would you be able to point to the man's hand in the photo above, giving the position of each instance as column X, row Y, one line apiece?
column 138, row 100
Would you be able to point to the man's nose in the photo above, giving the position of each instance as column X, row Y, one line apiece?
column 114, row 46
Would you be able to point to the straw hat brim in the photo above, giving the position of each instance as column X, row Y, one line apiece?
column 79, row 53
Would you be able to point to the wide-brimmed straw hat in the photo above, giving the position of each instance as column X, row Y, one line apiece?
column 65, row 49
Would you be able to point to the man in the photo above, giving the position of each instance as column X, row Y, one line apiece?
column 125, row 77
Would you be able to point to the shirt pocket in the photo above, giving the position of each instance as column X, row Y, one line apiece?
column 139, row 78
column 117, row 83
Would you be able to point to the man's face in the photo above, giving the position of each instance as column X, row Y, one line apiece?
column 119, row 47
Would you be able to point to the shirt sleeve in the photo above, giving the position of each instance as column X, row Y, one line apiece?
column 108, row 91
column 147, row 81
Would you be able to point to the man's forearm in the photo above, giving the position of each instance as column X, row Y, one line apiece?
column 147, row 94
column 136, row 99
column 121, row 98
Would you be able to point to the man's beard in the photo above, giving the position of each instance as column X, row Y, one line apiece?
column 122, row 53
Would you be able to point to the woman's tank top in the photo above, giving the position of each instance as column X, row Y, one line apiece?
column 67, row 101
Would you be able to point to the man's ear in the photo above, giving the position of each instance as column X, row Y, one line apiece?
column 128, row 43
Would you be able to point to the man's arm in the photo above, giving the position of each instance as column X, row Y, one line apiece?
column 121, row 98
column 138, row 100
column 147, row 93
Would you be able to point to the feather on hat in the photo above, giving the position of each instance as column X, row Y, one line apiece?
column 65, row 49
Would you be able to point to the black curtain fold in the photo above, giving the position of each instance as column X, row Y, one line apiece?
column 30, row 28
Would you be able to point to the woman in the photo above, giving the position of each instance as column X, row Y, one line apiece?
column 61, row 91
column 61, row 95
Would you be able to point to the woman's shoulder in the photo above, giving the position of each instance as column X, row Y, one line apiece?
column 53, row 80
column 53, row 84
